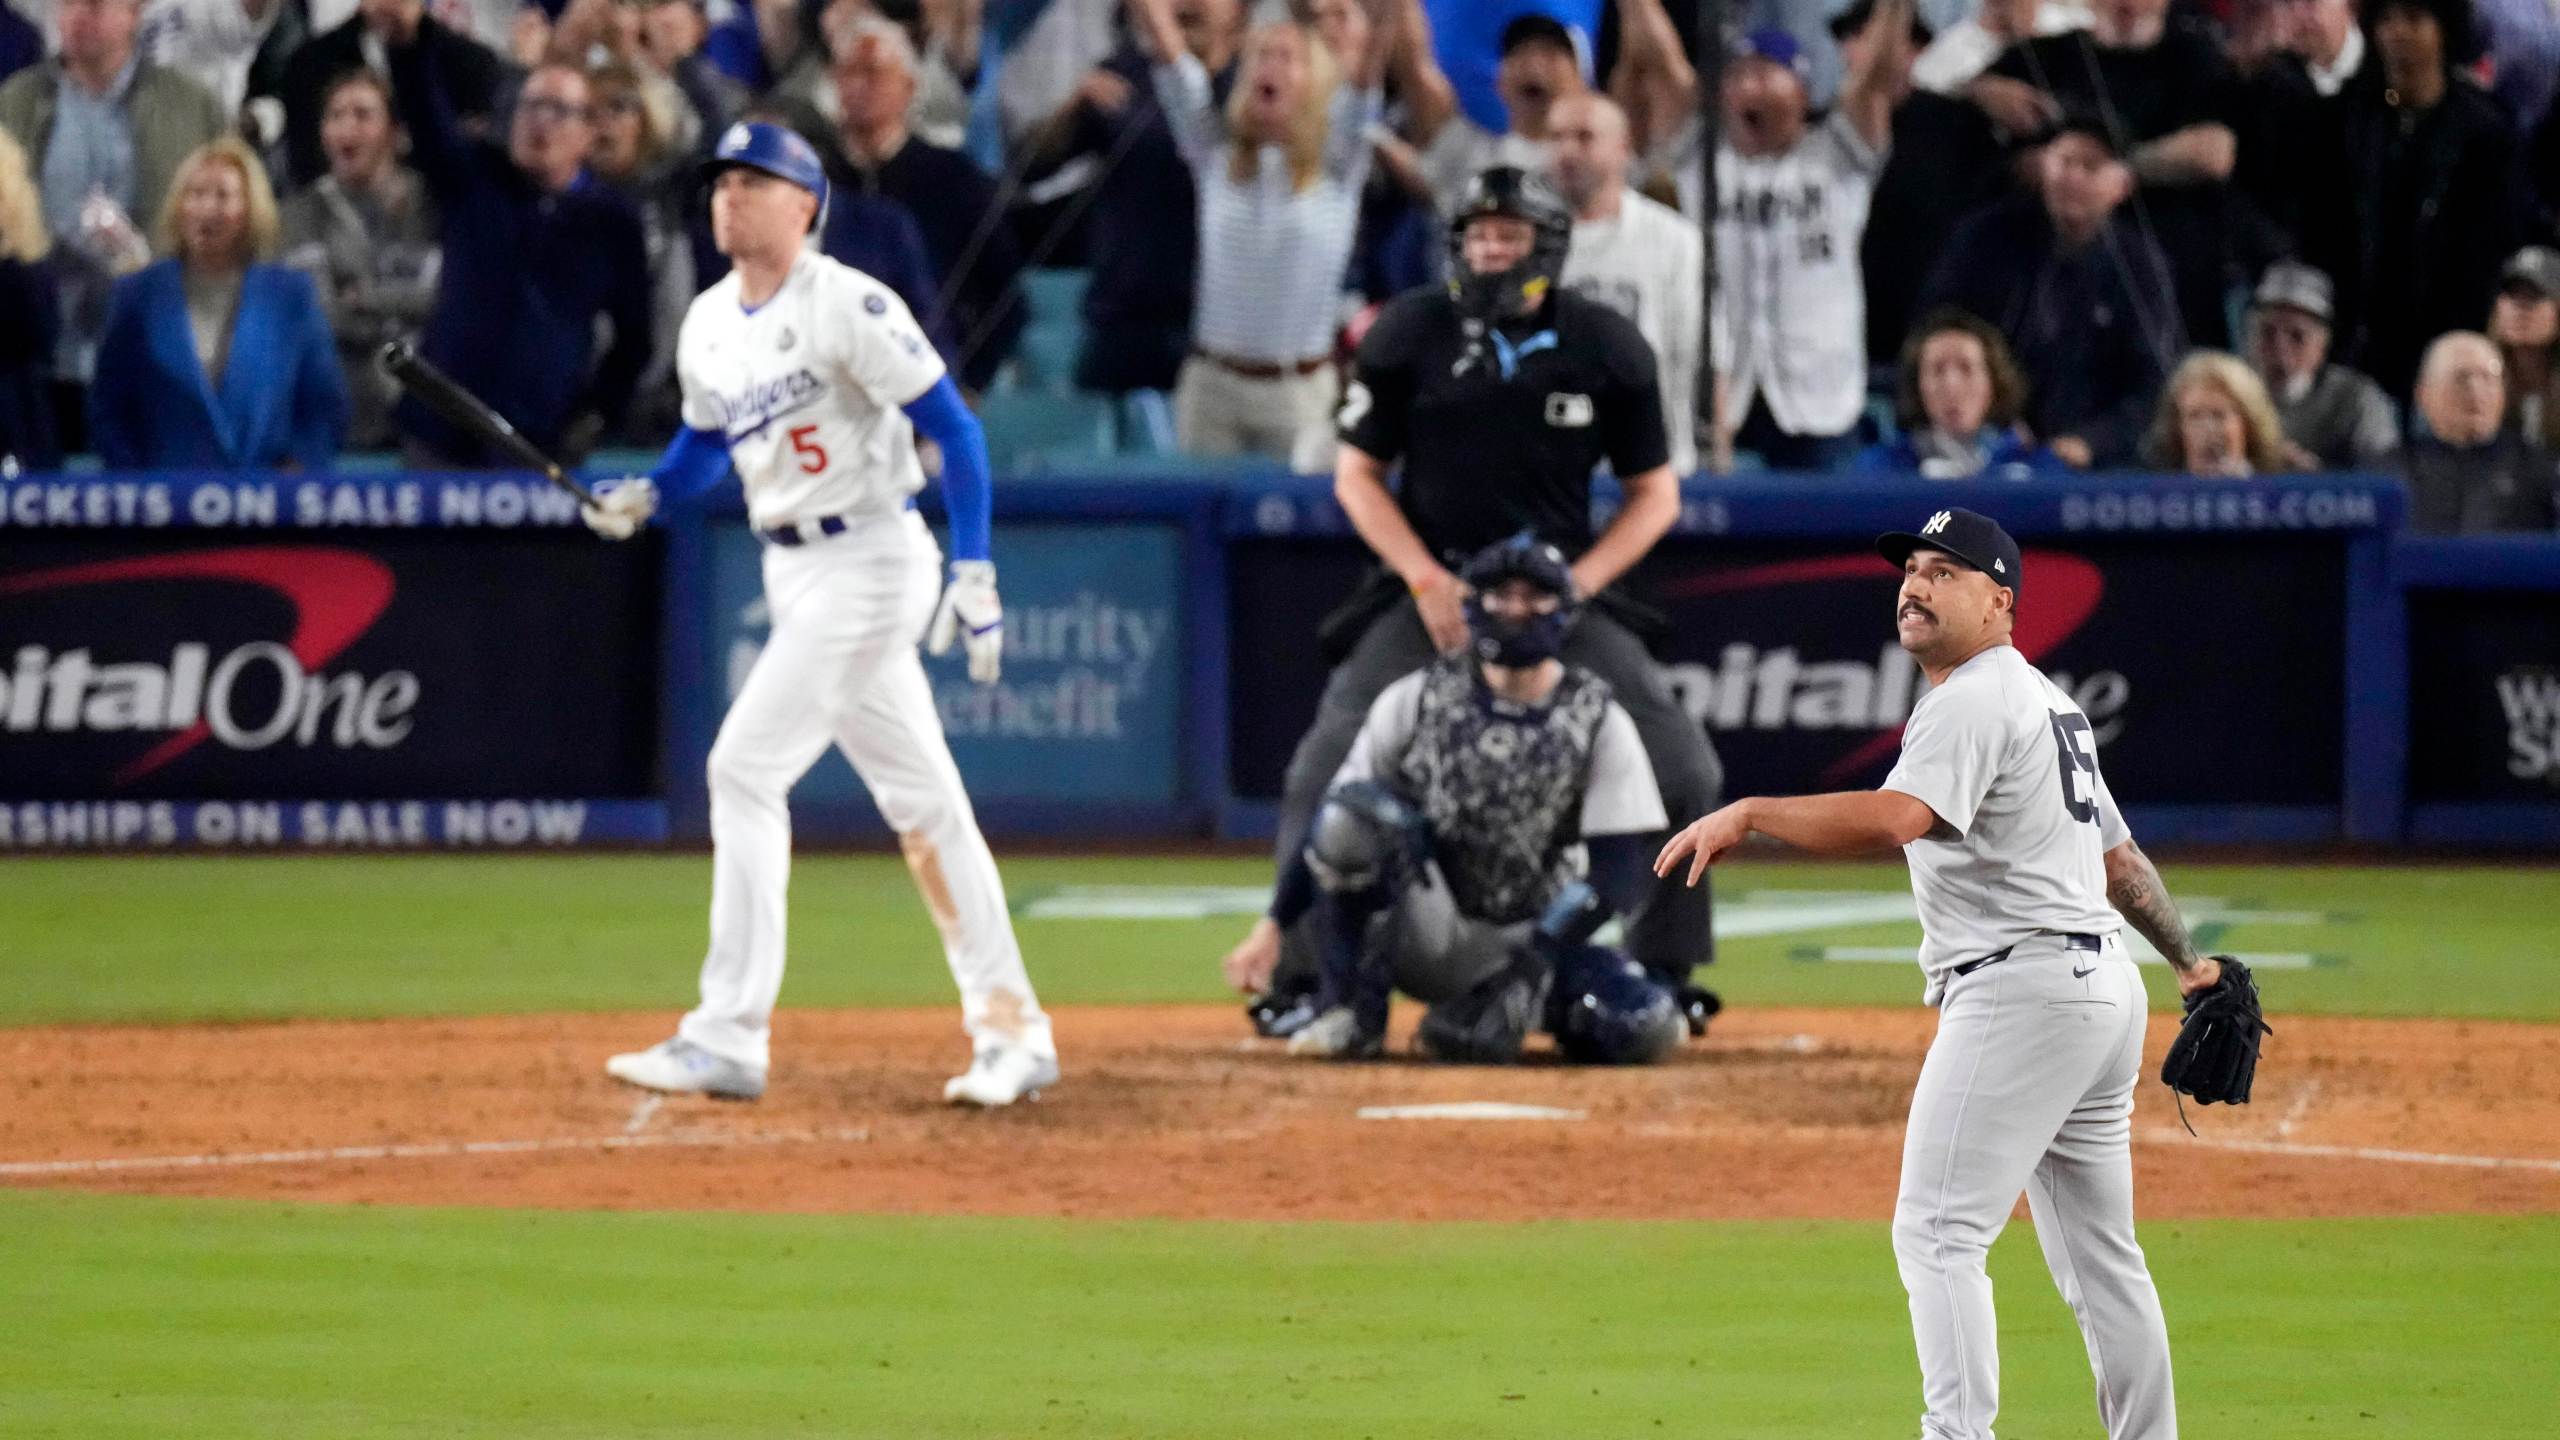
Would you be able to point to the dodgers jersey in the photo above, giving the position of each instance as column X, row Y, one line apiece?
column 806, row 387
column 2024, row 818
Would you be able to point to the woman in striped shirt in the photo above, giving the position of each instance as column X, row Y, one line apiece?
column 1279, row 177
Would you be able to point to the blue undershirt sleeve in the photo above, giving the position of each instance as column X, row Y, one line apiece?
column 695, row 461
column 968, row 492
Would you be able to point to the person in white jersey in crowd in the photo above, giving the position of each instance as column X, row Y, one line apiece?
column 1635, row 255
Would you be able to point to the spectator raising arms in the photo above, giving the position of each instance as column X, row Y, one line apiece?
column 1791, row 210
column 2083, row 299
column 213, row 359
column 1958, row 395
column 1142, row 242
column 2216, row 422
column 2333, row 417
column 1543, row 63
column 1279, row 178
column 2468, row 473
column 26, row 321
column 366, row 235
column 535, row 255
column 469, row 73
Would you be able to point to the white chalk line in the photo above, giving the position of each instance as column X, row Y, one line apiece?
column 2293, row 1113
column 436, row 1150
column 2352, row 1152
column 642, row 1113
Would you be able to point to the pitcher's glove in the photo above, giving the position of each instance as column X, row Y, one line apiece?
column 2215, row 1057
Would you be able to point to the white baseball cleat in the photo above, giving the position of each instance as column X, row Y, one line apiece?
column 1336, row 1035
column 680, row 1067
column 1001, row 1074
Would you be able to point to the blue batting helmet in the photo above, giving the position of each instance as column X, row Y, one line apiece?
column 777, row 150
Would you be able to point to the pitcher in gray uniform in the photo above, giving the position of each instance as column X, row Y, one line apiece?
column 2023, row 871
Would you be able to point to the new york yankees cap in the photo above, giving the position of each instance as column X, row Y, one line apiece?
column 1977, row 540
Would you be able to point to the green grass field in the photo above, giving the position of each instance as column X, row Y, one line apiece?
column 136, row 1317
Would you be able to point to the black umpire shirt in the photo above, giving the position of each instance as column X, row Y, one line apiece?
column 1500, row 433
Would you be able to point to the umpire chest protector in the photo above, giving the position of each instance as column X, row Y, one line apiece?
column 1502, row 785
column 1501, row 426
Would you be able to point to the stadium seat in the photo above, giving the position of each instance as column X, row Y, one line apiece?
column 1045, row 358
column 1030, row 429
column 1055, row 296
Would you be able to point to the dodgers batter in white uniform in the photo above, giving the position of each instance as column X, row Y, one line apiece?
column 813, row 380
column 2023, row 871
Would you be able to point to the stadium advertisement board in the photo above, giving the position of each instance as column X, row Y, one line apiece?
column 353, row 688
column 1087, row 717
column 1784, row 651
column 2485, row 677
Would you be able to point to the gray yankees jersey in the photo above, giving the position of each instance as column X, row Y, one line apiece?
column 2006, row 761
column 1510, row 790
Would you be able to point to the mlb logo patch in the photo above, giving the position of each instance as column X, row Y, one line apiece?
column 1567, row 411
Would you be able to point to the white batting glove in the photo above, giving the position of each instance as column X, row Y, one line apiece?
column 971, row 613
column 622, row 507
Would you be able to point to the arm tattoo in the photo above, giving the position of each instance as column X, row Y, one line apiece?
column 2136, row 892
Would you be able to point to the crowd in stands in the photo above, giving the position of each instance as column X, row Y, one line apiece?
column 1953, row 238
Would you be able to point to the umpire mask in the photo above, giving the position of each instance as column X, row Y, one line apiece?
column 1509, row 641
column 1518, row 290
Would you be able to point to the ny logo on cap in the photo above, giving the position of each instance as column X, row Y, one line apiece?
column 1938, row 522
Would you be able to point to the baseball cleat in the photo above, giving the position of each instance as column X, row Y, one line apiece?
column 1278, row 1015
column 1001, row 1074
column 1337, row 1035
column 680, row 1067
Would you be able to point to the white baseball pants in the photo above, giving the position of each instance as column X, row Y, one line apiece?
column 841, row 666
column 2029, row 1086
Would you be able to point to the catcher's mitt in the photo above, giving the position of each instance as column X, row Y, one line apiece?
column 2215, row 1057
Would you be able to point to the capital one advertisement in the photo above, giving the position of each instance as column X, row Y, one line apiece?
column 151, row 687
column 2212, row 669
column 1089, row 707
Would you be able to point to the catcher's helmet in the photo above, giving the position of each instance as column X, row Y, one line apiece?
column 1518, row 643
column 1516, row 194
column 778, row 151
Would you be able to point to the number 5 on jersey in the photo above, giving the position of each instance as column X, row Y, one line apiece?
column 2071, row 742
column 813, row 456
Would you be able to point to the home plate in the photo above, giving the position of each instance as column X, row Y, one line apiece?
column 1470, row 1110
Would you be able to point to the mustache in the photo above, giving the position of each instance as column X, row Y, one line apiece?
column 1913, row 607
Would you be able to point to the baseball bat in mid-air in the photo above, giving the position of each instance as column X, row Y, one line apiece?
column 437, row 391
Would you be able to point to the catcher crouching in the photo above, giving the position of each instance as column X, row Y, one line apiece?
column 1492, row 816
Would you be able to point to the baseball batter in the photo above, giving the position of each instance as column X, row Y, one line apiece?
column 814, row 381
column 2022, row 868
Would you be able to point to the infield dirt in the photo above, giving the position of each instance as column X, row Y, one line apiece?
column 1174, row 1112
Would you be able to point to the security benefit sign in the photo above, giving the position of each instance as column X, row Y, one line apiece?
column 319, row 688
column 2484, row 696
column 2212, row 670
column 1088, row 711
